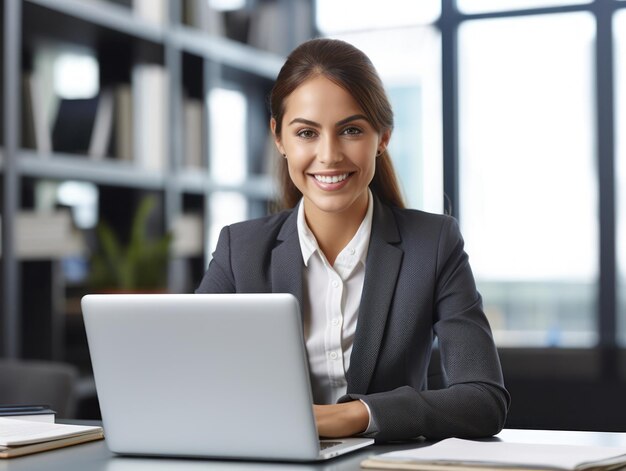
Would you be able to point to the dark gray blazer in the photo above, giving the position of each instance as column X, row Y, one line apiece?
column 418, row 285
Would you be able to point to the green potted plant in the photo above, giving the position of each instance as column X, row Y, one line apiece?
column 139, row 266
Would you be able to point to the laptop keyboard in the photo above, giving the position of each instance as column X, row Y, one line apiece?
column 327, row 444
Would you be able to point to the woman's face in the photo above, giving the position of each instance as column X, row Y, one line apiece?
column 330, row 147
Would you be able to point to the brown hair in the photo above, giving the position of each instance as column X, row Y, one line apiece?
column 352, row 70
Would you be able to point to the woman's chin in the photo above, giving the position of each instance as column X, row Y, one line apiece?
column 332, row 204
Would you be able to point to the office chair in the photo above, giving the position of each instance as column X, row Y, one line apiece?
column 39, row 382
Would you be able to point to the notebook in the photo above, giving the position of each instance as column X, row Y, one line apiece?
column 205, row 375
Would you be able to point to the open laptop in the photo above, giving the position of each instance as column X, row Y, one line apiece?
column 205, row 375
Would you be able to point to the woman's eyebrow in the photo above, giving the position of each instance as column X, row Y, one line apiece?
column 349, row 119
column 305, row 121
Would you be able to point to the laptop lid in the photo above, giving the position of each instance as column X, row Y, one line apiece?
column 213, row 375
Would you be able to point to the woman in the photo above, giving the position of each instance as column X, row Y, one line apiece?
column 376, row 282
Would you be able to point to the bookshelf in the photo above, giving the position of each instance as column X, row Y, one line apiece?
column 166, row 72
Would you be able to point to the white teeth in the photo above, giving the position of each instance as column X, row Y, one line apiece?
column 333, row 179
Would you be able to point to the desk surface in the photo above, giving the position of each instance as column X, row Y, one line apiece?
column 96, row 456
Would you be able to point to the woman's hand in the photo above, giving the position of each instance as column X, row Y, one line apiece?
column 341, row 420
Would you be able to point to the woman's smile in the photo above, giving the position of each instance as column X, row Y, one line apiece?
column 332, row 182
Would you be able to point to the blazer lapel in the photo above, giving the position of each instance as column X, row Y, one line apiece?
column 381, row 272
column 286, row 263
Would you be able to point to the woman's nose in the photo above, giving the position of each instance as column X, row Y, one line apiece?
column 330, row 151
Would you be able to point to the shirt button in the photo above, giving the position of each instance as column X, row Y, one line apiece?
column 351, row 251
column 333, row 355
column 335, row 321
column 335, row 284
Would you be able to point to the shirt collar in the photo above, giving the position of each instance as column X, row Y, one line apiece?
column 360, row 241
column 308, row 243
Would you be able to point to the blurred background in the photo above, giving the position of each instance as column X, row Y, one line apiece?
column 133, row 130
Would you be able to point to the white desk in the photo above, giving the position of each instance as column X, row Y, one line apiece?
column 96, row 456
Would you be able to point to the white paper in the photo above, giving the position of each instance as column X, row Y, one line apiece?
column 23, row 432
column 502, row 454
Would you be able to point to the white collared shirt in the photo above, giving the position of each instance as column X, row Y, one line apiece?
column 332, row 295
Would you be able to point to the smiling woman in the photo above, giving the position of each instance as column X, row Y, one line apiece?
column 376, row 282
column 306, row 78
column 331, row 150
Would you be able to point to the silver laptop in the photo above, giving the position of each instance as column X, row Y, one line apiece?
column 205, row 375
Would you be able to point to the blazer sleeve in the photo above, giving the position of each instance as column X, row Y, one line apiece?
column 474, row 402
column 219, row 276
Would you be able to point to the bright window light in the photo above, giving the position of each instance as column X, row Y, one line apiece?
column 229, row 156
column 76, row 76
column 528, row 189
column 334, row 16
column 226, row 5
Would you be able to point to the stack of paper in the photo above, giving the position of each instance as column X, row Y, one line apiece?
column 455, row 454
column 23, row 437
column 32, row 412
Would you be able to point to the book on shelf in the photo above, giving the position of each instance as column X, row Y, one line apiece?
column 74, row 125
column 150, row 119
column 33, row 412
column 192, row 124
column 28, row 115
column 154, row 11
column 41, row 235
column 123, row 122
column 455, row 454
column 24, row 437
column 103, row 124
column 199, row 14
column 35, row 131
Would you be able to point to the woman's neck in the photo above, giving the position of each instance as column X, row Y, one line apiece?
column 333, row 231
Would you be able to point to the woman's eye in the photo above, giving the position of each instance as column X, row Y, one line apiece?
column 306, row 134
column 352, row 131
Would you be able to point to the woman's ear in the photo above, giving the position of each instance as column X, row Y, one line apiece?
column 277, row 141
column 385, row 137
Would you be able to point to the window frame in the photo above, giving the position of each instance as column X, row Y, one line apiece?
column 608, row 348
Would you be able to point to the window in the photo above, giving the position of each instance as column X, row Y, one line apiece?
column 619, row 27
column 479, row 6
column 528, row 177
column 528, row 204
